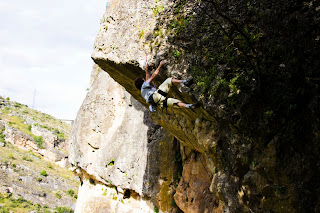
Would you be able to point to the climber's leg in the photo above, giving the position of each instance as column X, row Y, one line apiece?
column 166, row 85
column 176, row 81
column 187, row 83
column 189, row 106
column 175, row 102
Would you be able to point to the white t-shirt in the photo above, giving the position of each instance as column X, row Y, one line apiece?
column 147, row 90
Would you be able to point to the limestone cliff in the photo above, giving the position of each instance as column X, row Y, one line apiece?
column 251, row 147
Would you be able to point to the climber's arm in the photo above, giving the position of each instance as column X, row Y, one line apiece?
column 147, row 71
column 156, row 72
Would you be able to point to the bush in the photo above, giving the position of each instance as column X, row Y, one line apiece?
column 2, row 138
column 39, row 141
column 58, row 195
column 70, row 192
column 43, row 173
column 4, row 210
column 17, row 105
column 26, row 158
column 10, row 155
column 155, row 209
column 64, row 210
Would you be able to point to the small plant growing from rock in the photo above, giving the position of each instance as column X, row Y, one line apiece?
column 26, row 158
column 155, row 209
column 64, row 210
column 58, row 195
column 10, row 155
column 71, row 192
column 111, row 163
column 43, row 173
column 39, row 140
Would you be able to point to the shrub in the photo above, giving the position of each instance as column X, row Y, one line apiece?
column 2, row 137
column 4, row 210
column 10, row 155
column 44, row 173
column 155, row 209
column 17, row 105
column 29, row 127
column 26, row 158
column 61, row 136
column 39, row 141
column 71, row 192
column 111, row 163
column 64, row 210
column 58, row 195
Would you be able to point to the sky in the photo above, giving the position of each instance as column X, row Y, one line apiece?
column 45, row 52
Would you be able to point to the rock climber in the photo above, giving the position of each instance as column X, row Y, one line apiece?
column 158, row 97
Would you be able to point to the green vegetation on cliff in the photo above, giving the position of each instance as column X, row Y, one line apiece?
column 257, row 68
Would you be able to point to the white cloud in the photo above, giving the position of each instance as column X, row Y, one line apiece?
column 46, row 45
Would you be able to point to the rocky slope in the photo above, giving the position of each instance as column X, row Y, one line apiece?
column 33, row 160
column 253, row 145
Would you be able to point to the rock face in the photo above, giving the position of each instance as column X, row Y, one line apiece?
column 253, row 145
column 114, row 143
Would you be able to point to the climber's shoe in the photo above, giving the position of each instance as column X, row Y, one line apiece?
column 194, row 106
column 189, row 82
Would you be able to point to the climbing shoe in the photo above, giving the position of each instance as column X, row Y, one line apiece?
column 189, row 82
column 194, row 106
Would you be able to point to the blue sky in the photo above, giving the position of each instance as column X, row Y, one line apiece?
column 45, row 49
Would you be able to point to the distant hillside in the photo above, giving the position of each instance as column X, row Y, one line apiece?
column 34, row 161
column 31, row 129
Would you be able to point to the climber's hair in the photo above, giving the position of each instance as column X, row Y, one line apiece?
column 138, row 82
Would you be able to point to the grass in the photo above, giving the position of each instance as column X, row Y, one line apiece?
column 21, row 205
column 17, row 123
column 16, row 115
column 20, row 157
column 18, row 205
column 44, row 120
